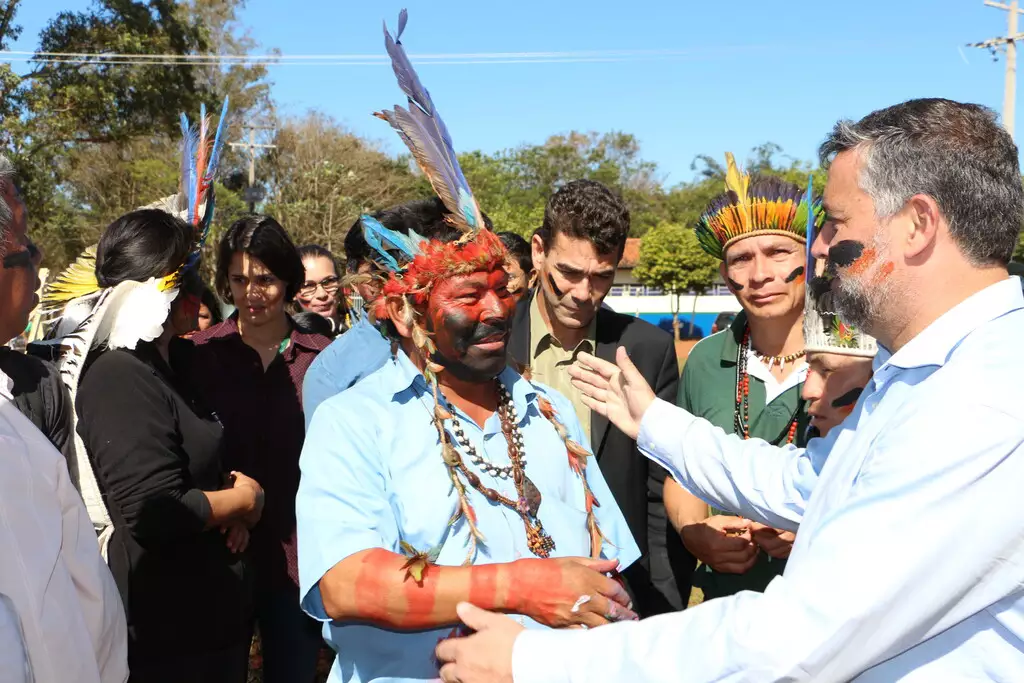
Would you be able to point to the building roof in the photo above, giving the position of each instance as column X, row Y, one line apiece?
column 631, row 255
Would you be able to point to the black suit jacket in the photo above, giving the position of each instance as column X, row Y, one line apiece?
column 635, row 481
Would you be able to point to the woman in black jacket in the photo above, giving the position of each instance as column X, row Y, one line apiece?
column 179, row 522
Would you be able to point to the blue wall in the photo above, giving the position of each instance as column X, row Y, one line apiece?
column 702, row 323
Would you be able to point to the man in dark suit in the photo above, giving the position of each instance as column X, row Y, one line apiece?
column 575, row 255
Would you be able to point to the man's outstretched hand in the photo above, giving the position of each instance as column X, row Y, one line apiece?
column 617, row 391
column 485, row 656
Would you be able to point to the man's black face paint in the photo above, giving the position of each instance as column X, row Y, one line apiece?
column 460, row 333
column 554, row 288
column 848, row 399
column 845, row 253
column 735, row 285
column 795, row 274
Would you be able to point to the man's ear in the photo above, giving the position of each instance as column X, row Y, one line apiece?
column 923, row 226
column 396, row 307
column 537, row 247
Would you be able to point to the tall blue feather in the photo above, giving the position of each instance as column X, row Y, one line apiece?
column 218, row 142
column 809, row 199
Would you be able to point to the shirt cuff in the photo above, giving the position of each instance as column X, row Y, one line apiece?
column 659, row 432
column 541, row 655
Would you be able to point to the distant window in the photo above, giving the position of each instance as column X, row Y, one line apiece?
column 616, row 290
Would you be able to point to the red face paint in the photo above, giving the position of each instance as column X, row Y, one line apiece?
column 863, row 263
column 469, row 317
column 885, row 271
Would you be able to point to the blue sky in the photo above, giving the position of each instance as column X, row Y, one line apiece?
column 748, row 72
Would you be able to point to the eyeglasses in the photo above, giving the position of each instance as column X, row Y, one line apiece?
column 329, row 284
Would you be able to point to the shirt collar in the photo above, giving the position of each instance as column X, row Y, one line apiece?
column 308, row 341
column 936, row 343
column 539, row 332
column 733, row 338
column 403, row 375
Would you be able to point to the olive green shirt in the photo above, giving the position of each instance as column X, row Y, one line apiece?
column 708, row 390
column 549, row 362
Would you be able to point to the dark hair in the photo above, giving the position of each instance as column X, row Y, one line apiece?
column 263, row 238
column 586, row 209
column 955, row 153
column 519, row 249
column 315, row 251
column 144, row 244
column 313, row 323
column 212, row 303
column 426, row 217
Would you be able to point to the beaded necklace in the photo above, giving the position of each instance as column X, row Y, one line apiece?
column 528, row 498
column 742, row 414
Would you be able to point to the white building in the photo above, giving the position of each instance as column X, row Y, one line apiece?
column 630, row 297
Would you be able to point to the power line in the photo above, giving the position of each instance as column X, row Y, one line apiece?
column 1008, row 43
column 358, row 59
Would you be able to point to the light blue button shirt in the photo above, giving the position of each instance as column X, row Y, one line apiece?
column 909, row 561
column 372, row 476
column 358, row 352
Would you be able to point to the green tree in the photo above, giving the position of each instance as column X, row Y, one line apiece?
column 671, row 259
column 513, row 186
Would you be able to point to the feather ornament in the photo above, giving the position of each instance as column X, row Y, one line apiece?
column 385, row 241
column 424, row 132
column 76, row 281
column 142, row 313
column 200, row 159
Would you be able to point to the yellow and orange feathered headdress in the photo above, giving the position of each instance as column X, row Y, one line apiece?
column 766, row 206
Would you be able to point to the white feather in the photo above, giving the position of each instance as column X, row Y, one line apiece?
column 141, row 315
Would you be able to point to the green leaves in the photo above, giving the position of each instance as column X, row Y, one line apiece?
column 671, row 259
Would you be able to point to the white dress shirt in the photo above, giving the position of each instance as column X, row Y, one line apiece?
column 909, row 564
column 58, row 591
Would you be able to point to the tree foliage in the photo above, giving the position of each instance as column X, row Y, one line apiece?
column 92, row 141
column 672, row 260
column 322, row 177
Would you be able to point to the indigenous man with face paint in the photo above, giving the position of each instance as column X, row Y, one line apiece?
column 747, row 379
column 576, row 252
column 445, row 476
column 363, row 349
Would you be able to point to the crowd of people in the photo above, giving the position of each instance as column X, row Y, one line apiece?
column 447, row 459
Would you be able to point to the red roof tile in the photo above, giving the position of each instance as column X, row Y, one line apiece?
column 631, row 255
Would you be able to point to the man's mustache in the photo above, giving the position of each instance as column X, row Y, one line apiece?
column 486, row 331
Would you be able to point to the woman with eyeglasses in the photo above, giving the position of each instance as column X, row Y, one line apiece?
column 319, row 291
column 250, row 368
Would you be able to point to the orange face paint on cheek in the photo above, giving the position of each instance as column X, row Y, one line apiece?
column 867, row 258
column 885, row 271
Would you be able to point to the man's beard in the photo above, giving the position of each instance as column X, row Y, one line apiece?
column 855, row 302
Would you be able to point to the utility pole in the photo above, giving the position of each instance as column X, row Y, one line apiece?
column 1008, row 43
column 252, row 195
